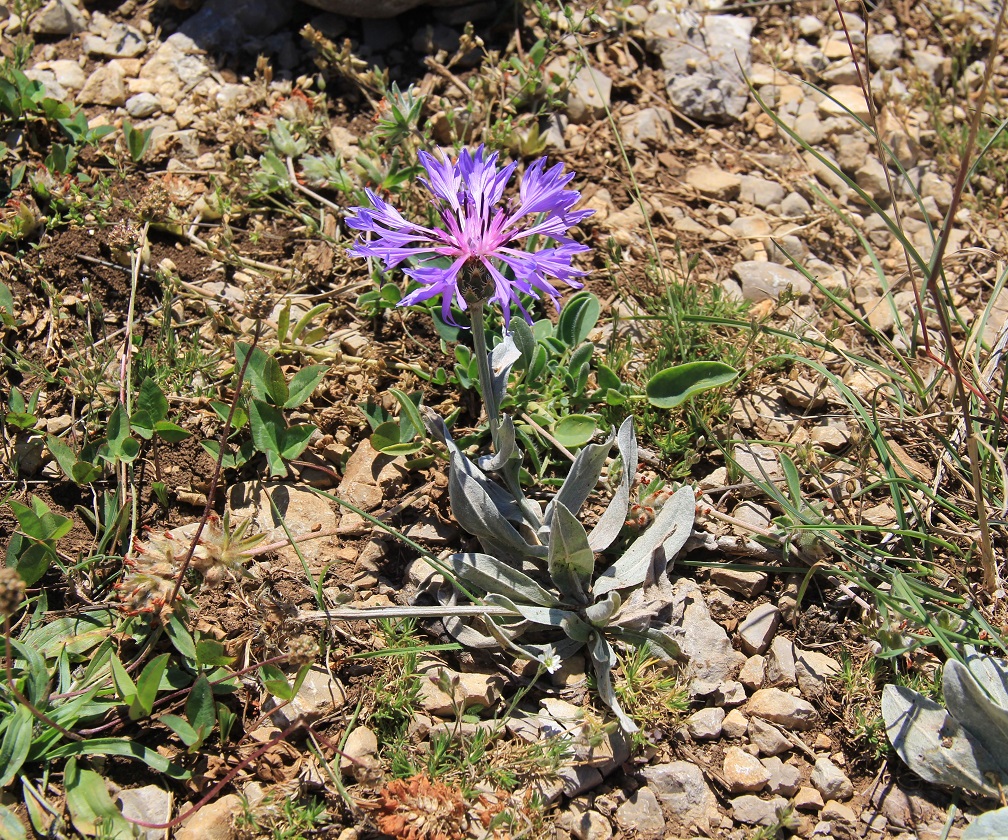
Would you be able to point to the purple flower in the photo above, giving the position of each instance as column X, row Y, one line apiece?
column 480, row 237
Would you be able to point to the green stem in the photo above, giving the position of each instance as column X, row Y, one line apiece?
column 485, row 374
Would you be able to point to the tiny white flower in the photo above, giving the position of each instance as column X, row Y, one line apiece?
column 550, row 660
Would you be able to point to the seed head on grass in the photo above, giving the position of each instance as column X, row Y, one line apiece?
column 485, row 249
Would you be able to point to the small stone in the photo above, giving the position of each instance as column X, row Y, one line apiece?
column 578, row 778
column 932, row 186
column 590, row 825
column 808, row 799
column 215, row 821
column 810, row 26
column 795, row 206
column 780, row 670
column 729, row 694
column 932, row 67
column 760, row 192
column 753, row 672
column 69, row 74
column 767, row 738
column 831, row 435
column 647, row 128
column 743, row 773
column 757, row 462
column 812, row 669
column 319, row 694
column 735, row 725
column 148, row 804
column 884, row 50
column 58, row 18
column 845, row 98
column 705, row 724
column 871, row 177
column 784, row 778
column 752, row 810
column 105, row 86
column 810, row 129
column 802, row 394
column 683, row 791
column 358, row 758
column 589, row 96
column 782, row 708
column 714, row 182
column 757, row 629
column 142, row 105
column 831, row 781
column 746, row 584
column 766, row 280
column 642, row 815
column 471, row 689
column 834, row 810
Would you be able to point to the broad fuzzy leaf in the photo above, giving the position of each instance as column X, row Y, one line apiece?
column 603, row 661
column 670, row 530
column 972, row 707
column 500, row 578
column 581, row 479
column 571, row 560
column 934, row 745
column 612, row 520
column 990, row 826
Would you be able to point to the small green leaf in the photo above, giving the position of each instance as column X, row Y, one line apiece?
column 577, row 318
column 575, row 430
column 275, row 682
column 123, row 682
column 17, row 739
column 210, row 653
column 11, row 828
column 304, row 383
column 170, row 432
column 147, row 686
column 151, row 400
column 180, row 637
column 92, row 810
column 181, row 727
column 295, row 440
column 410, row 421
column 200, row 708
column 263, row 372
column 673, row 386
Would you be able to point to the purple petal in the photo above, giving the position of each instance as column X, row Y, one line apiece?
column 444, row 178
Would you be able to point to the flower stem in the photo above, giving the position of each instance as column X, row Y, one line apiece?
column 485, row 374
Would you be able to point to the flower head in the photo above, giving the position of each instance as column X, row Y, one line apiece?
column 550, row 660
column 482, row 241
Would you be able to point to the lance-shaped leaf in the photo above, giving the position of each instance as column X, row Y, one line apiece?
column 613, row 518
column 465, row 634
column 566, row 620
column 600, row 612
column 971, row 706
column 581, row 480
column 502, row 359
column 991, row 673
column 603, row 661
column 508, row 448
column 497, row 577
column 675, row 520
column 990, row 826
column 571, row 560
column 457, row 460
column 934, row 745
